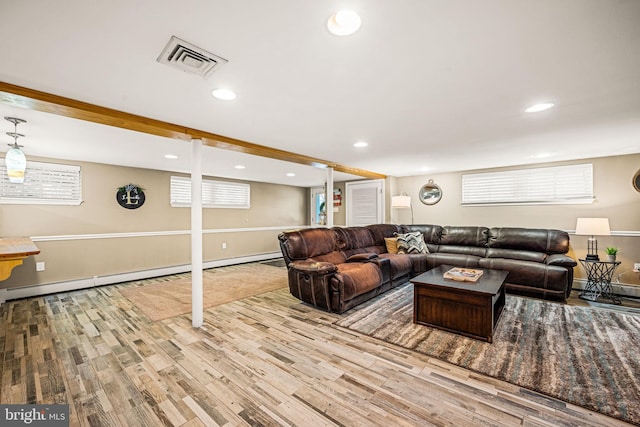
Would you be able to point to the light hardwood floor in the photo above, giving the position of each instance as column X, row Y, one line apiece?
column 266, row 360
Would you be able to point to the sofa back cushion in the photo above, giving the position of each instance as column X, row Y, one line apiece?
column 529, row 239
column 464, row 236
column 516, row 254
column 382, row 231
column 310, row 243
column 355, row 240
column 431, row 233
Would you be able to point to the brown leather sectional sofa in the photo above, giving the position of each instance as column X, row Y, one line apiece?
column 338, row 268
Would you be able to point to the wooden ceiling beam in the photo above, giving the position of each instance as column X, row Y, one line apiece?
column 31, row 99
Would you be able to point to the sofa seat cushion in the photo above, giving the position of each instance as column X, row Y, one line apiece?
column 458, row 260
column 358, row 278
column 516, row 254
column 334, row 257
column 532, row 274
column 463, row 250
column 400, row 265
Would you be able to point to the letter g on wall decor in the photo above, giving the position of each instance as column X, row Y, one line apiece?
column 130, row 196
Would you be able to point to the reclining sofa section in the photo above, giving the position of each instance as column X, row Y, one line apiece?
column 338, row 268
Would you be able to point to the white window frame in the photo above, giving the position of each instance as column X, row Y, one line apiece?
column 215, row 194
column 570, row 184
column 44, row 184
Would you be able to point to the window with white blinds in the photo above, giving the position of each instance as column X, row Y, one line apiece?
column 44, row 184
column 215, row 194
column 365, row 202
column 572, row 184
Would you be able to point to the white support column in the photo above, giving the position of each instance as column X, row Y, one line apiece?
column 328, row 197
column 197, row 304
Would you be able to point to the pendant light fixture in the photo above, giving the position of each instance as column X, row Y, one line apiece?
column 15, row 160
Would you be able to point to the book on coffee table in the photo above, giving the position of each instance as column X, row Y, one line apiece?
column 463, row 274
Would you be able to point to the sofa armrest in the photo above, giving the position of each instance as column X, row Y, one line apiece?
column 313, row 267
column 561, row 260
column 310, row 281
column 362, row 257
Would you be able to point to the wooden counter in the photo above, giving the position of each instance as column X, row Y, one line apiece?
column 12, row 251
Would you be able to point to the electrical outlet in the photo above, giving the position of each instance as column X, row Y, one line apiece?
column 40, row 266
column 224, row 245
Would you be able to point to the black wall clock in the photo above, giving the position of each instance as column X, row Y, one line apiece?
column 130, row 196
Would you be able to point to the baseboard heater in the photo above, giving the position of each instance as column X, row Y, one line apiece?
column 620, row 289
column 90, row 282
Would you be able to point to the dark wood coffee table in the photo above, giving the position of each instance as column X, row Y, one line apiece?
column 471, row 309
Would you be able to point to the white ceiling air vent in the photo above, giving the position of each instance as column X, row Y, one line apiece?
column 187, row 57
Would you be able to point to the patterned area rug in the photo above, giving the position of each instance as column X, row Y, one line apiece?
column 585, row 356
column 170, row 296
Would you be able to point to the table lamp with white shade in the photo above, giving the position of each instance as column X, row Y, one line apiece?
column 593, row 227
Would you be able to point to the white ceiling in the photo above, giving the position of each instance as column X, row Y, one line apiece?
column 429, row 84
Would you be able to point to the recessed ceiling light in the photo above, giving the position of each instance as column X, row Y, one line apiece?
column 170, row 156
column 539, row 107
column 360, row 144
column 291, row 174
column 223, row 94
column 543, row 155
column 239, row 166
column 344, row 22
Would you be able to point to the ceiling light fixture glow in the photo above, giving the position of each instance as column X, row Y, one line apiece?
column 291, row 174
column 344, row 23
column 360, row 144
column 15, row 159
column 170, row 156
column 539, row 107
column 223, row 94
column 239, row 166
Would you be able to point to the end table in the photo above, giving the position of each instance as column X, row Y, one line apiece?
column 599, row 275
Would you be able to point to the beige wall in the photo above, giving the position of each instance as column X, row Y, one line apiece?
column 81, row 250
column 277, row 206
column 340, row 214
column 616, row 199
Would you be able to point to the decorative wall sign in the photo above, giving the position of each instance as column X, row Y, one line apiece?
column 337, row 197
column 130, row 196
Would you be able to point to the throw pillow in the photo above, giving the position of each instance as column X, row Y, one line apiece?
column 411, row 243
column 392, row 244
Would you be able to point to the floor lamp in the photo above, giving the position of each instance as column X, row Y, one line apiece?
column 402, row 202
column 592, row 227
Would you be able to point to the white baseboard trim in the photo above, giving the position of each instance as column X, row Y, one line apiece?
column 73, row 285
column 621, row 289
